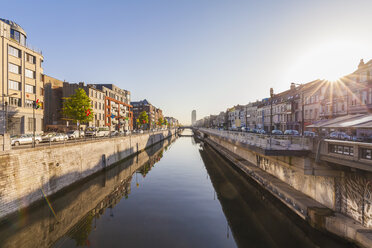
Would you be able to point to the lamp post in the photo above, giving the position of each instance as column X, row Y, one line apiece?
column 5, row 116
column 302, row 111
column 271, row 109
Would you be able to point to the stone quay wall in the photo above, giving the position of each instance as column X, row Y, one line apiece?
column 40, row 228
column 341, row 189
column 27, row 174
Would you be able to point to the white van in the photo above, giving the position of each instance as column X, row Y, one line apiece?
column 103, row 132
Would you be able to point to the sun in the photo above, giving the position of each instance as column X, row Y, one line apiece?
column 328, row 61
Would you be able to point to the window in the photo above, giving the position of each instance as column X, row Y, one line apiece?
column 22, row 40
column 31, row 122
column 14, row 101
column 30, row 88
column 41, row 91
column 99, row 116
column 15, row 35
column 340, row 149
column 30, row 59
column 14, row 52
column 95, row 105
column 29, row 103
column 30, row 74
column 14, row 68
column 366, row 153
column 13, row 85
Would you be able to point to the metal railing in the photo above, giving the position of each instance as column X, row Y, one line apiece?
column 49, row 142
column 272, row 142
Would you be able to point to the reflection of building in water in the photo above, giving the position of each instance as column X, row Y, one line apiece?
column 120, row 191
column 81, row 230
column 152, row 161
column 77, row 208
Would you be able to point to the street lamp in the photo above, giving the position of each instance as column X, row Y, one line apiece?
column 271, row 109
column 302, row 111
column 5, row 116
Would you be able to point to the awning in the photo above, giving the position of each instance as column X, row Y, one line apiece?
column 332, row 123
column 349, row 123
column 364, row 125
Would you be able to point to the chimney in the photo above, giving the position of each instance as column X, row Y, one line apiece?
column 293, row 86
column 361, row 63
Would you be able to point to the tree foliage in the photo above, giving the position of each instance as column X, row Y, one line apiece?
column 143, row 118
column 160, row 121
column 77, row 107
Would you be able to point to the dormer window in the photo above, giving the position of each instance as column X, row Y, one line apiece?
column 17, row 36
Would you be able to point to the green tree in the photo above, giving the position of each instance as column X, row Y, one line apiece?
column 160, row 121
column 77, row 107
column 143, row 118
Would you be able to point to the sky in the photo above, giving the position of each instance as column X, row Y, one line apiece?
column 206, row 55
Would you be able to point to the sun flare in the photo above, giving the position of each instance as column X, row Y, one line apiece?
column 329, row 61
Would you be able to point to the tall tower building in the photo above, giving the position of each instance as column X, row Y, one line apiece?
column 193, row 117
column 21, row 85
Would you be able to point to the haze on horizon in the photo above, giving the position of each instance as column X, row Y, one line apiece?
column 198, row 54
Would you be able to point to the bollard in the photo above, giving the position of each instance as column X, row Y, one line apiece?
column 104, row 161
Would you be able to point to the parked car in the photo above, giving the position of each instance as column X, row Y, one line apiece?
column 339, row 135
column 261, row 131
column 74, row 134
column 140, row 131
column 25, row 139
column 309, row 134
column 291, row 132
column 97, row 132
column 114, row 133
column 59, row 137
column 126, row 132
column 46, row 137
column 276, row 132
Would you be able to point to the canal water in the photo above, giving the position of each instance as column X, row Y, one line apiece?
column 181, row 194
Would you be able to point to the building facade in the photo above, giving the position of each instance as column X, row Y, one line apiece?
column 21, row 82
column 117, row 107
column 139, row 107
column 53, row 102
column 193, row 117
column 97, row 98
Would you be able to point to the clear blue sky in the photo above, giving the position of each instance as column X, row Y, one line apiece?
column 196, row 54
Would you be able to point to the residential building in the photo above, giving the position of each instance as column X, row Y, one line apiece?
column 118, row 111
column 144, row 105
column 158, row 115
column 221, row 120
column 172, row 122
column 53, row 102
column 21, row 81
column 97, row 97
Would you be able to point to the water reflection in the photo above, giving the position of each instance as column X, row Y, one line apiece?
column 77, row 208
column 256, row 219
column 186, row 196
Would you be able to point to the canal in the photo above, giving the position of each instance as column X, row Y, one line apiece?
column 175, row 194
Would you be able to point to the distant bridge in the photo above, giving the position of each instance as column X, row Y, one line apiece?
column 186, row 127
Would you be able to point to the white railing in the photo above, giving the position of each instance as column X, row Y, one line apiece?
column 270, row 142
